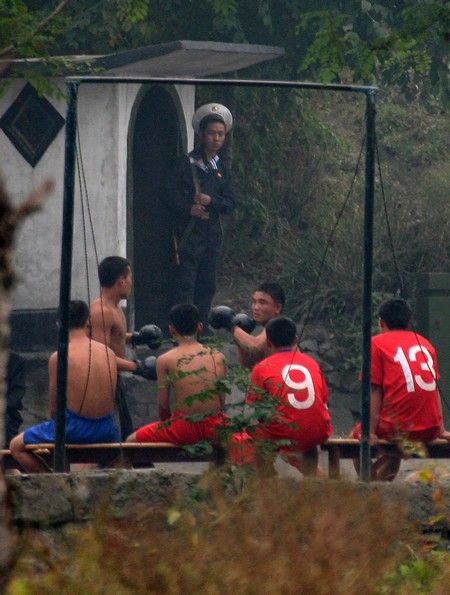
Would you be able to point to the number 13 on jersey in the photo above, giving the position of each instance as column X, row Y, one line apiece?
column 405, row 361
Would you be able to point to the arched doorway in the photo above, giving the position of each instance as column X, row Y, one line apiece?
column 155, row 144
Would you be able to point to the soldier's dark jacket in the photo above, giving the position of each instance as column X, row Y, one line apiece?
column 214, row 180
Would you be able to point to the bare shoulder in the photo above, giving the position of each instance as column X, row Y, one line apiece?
column 99, row 308
column 96, row 305
column 164, row 359
column 213, row 359
column 102, row 348
column 99, row 345
column 216, row 354
column 182, row 356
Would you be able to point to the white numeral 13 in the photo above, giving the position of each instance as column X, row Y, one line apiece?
column 427, row 366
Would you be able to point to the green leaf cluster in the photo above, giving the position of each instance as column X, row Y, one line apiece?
column 418, row 575
column 403, row 42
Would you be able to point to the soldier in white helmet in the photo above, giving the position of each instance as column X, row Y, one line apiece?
column 198, row 193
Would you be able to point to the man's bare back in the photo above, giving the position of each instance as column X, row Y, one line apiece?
column 91, row 378
column 91, row 385
column 191, row 369
column 108, row 325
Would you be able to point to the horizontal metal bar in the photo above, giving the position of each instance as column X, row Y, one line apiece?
column 216, row 82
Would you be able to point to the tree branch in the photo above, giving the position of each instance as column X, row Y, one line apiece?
column 33, row 202
column 10, row 49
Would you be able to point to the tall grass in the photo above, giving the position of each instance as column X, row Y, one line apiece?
column 232, row 536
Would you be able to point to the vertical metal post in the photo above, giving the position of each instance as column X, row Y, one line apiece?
column 364, row 453
column 65, row 275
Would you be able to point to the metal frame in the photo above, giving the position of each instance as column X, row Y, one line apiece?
column 72, row 85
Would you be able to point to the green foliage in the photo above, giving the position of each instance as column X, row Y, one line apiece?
column 403, row 43
column 382, row 42
column 20, row 27
column 200, row 448
column 418, row 575
column 334, row 46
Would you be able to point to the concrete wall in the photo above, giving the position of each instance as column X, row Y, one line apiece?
column 105, row 114
column 36, row 257
column 52, row 500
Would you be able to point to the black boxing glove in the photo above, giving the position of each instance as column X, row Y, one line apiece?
column 224, row 317
column 146, row 368
column 244, row 322
column 150, row 335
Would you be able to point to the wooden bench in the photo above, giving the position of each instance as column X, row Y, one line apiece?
column 138, row 455
column 144, row 455
column 348, row 448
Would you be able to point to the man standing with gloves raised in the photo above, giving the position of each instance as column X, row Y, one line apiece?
column 198, row 193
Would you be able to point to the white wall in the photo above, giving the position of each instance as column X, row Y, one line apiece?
column 186, row 93
column 104, row 113
column 36, row 260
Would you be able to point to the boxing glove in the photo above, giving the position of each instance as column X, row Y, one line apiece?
column 146, row 368
column 224, row 317
column 150, row 335
column 244, row 322
column 221, row 317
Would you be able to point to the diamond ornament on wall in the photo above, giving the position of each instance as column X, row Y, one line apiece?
column 31, row 123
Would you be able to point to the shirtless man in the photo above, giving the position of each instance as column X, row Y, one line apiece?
column 108, row 325
column 190, row 369
column 267, row 303
column 91, row 385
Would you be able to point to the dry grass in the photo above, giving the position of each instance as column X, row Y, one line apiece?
column 235, row 536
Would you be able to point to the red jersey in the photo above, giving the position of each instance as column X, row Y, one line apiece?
column 296, row 382
column 404, row 364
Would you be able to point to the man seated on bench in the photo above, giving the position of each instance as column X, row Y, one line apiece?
column 404, row 400
column 91, row 385
column 191, row 370
column 293, row 388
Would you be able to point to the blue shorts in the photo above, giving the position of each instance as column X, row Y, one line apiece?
column 79, row 430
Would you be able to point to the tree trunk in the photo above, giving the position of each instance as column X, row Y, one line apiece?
column 9, row 219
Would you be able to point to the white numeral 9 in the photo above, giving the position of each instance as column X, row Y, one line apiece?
column 297, row 386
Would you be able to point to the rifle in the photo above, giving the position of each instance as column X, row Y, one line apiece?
column 193, row 220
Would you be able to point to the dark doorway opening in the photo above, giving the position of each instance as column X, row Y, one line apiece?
column 156, row 144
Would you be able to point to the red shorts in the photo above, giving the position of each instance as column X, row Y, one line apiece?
column 179, row 431
column 389, row 433
column 300, row 441
column 242, row 448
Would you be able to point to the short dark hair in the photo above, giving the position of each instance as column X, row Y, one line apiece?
column 281, row 331
column 111, row 268
column 185, row 318
column 396, row 313
column 209, row 119
column 275, row 291
column 78, row 314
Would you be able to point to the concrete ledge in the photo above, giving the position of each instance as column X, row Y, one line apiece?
column 49, row 500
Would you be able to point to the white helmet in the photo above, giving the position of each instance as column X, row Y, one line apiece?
column 212, row 109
